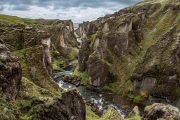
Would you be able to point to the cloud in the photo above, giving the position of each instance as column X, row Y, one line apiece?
column 77, row 10
column 19, row 7
column 68, row 3
column 2, row 8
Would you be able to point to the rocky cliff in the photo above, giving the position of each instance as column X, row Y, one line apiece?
column 38, row 44
column 138, row 43
column 11, row 73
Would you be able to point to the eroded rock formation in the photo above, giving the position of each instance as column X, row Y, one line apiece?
column 39, row 43
column 158, row 68
column 70, row 107
column 138, row 44
column 10, row 75
column 159, row 110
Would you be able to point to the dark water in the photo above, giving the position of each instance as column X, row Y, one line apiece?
column 68, row 69
column 103, row 100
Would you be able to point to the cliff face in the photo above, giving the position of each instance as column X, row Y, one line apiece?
column 70, row 106
column 11, row 73
column 158, row 68
column 138, row 43
column 37, row 43
column 40, row 42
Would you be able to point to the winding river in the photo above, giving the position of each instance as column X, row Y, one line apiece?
column 102, row 99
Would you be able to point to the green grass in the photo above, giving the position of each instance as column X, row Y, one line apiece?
column 55, row 65
column 76, row 72
column 139, row 98
column 90, row 115
column 92, row 39
column 25, row 117
column 73, row 53
column 84, row 76
column 135, row 118
column 11, row 19
column 108, row 88
column 21, row 55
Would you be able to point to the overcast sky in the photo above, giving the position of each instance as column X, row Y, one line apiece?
column 77, row 10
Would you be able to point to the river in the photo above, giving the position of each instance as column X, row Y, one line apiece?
column 102, row 99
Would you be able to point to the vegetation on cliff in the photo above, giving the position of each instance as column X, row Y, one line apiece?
column 125, row 51
column 39, row 51
column 134, row 52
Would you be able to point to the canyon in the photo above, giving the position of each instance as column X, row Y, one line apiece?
column 133, row 54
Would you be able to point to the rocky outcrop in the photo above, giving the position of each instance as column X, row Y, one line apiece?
column 87, row 28
column 10, row 75
column 70, row 107
column 111, row 114
column 158, row 68
column 113, row 39
column 83, row 54
column 159, row 110
column 40, row 41
column 137, row 44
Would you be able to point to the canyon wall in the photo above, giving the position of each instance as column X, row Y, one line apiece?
column 135, row 49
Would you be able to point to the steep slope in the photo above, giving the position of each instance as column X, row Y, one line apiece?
column 39, row 43
column 40, row 46
column 11, row 73
column 129, row 45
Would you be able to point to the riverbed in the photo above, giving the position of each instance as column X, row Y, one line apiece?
column 102, row 99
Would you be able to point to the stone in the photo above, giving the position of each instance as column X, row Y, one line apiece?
column 10, row 74
column 112, row 114
column 70, row 106
column 158, row 69
column 159, row 110
column 134, row 112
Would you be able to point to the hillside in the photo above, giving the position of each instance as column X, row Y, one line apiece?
column 135, row 51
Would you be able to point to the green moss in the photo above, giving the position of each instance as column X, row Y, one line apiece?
column 55, row 67
column 139, row 98
column 92, row 39
column 56, row 64
column 131, row 96
column 90, row 115
column 84, row 76
column 25, row 117
column 21, row 55
column 76, row 71
column 77, row 36
column 22, row 102
column 134, row 118
column 73, row 53
column 117, row 23
column 165, row 22
column 108, row 88
column 111, row 114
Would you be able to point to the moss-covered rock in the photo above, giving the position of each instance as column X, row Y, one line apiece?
column 11, row 73
column 137, row 44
